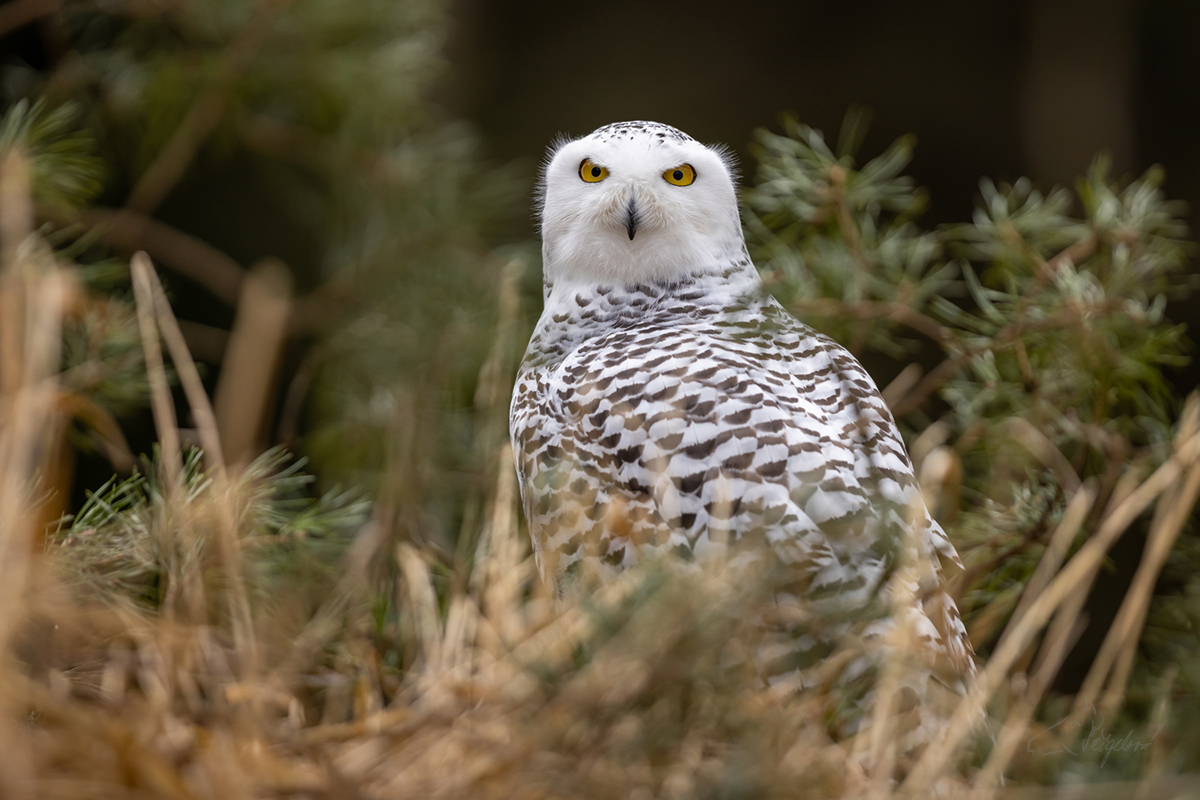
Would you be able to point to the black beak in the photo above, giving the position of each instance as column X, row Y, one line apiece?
column 631, row 218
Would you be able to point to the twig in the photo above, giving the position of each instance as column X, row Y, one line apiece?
column 1006, row 336
column 932, row 381
column 193, row 385
column 183, row 253
column 252, row 359
column 207, row 343
column 1079, row 251
column 1044, row 450
column 284, row 140
column 849, row 228
column 104, row 428
column 161, row 403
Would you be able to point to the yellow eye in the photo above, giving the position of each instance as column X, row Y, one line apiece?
column 683, row 175
column 592, row 172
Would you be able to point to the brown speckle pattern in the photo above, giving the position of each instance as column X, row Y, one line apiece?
column 679, row 416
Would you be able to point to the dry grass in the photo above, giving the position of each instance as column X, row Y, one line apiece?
column 640, row 690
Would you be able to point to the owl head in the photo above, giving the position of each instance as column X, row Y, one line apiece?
column 634, row 202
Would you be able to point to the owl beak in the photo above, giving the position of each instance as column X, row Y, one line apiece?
column 631, row 217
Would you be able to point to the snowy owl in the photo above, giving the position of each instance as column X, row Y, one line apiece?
column 667, row 403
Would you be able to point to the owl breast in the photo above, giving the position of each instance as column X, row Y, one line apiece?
column 691, row 431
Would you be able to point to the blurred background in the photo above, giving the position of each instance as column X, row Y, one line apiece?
column 990, row 88
column 998, row 89
column 337, row 198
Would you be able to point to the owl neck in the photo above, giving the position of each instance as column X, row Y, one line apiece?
column 732, row 274
column 577, row 311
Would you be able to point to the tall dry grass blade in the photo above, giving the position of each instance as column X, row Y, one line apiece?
column 11, row 313
column 1156, row 762
column 1060, row 542
column 457, row 648
column 223, row 494
column 1064, row 621
column 16, row 224
column 1063, row 625
column 501, row 568
column 423, row 604
column 161, row 403
column 126, row 231
column 495, row 380
column 1142, row 591
column 900, row 654
column 34, row 296
column 238, row 598
column 16, row 207
column 1076, row 576
column 1115, row 656
column 26, row 419
column 248, row 371
column 491, row 403
column 553, row 646
column 350, row 588
column 189, row 376
column 941, row 480
column 1016, row 724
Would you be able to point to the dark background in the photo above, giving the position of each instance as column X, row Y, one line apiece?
column 989, row 88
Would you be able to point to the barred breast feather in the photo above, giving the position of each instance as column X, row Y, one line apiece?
column 687, row 415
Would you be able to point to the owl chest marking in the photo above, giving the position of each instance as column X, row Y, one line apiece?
column 697, row 422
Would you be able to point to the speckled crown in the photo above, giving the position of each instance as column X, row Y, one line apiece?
column 631, row 130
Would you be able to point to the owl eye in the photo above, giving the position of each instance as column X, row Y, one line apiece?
column 592, row 172
column 683, row 175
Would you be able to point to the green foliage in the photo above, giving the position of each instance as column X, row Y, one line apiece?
column 399, row 377
column 320, row 111
column 132, row 539
column 102, row 356
column 1083, row 342
column 1055, row 352
column 64, row 169
column 818, row 228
